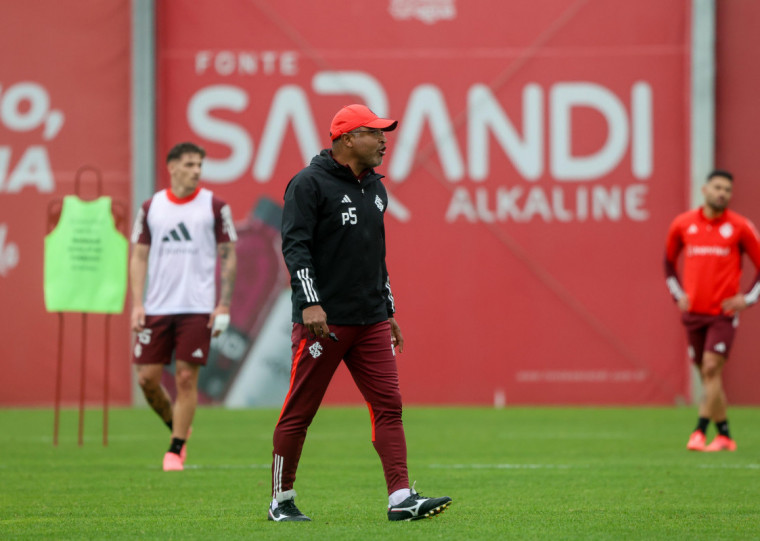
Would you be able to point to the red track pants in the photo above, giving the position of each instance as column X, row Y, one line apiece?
column 369, row 357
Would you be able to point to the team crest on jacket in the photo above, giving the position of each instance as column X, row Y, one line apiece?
column 726, row 230
column 379, row 203
column 315, row 349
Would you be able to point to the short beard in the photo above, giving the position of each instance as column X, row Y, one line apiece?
column 717, row 208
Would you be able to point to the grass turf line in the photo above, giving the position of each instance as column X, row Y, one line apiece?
column 514, row 473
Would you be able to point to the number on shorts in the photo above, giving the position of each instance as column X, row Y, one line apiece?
column 144, row 336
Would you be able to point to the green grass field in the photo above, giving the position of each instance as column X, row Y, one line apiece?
column 514, row 473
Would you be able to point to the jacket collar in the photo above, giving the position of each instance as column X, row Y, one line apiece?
column 326, row 161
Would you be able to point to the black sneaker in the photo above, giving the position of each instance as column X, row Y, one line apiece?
column 286, row 510
column 416, row 507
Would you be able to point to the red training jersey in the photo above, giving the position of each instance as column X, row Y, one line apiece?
column 712, row 258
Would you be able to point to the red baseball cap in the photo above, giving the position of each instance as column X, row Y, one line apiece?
column 355, row 116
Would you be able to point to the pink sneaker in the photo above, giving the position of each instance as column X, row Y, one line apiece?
column 721, row 443
column 172, row 462
column 183, row 451
column 696, row 441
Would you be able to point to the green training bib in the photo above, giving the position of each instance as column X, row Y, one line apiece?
column 85, row 259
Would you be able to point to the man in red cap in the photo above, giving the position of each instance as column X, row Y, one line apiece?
column 333, row 241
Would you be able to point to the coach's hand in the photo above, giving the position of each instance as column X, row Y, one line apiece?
column 315, row 321
column 396, row 338
column 734, row 304
column 138, row 318
column 684, row 303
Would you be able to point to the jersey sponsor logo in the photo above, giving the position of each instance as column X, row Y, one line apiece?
column 722, row 251
column 726, row 230
column 379, row 203
column 346, row 199
column 198, row 353
column 179, row 233
column 315, row 349
column 693, row 230
column 179, row 250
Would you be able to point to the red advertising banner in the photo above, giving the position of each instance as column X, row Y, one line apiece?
column 541, row 153
column 64, row 104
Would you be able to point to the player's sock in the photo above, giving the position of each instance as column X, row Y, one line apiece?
column 398, row 496
column 702, row 424
column 176, row 445
column 722, row 427
column 170, row 424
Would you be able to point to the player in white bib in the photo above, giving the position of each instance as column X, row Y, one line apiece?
column 178, row 235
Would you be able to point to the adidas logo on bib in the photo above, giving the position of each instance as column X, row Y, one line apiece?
column 177, row 234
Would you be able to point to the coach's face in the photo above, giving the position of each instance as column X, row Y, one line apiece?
column 717, row 192
column 367, row 146
column 185, row 173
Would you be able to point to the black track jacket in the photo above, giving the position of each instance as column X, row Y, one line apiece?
column 333, row 241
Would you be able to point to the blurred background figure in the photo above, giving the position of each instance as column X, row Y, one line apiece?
column 713, row 240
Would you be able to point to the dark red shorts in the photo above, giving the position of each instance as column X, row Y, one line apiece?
column 709, row 333
column 187, row 335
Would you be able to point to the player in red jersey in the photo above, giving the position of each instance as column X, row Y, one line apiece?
column 713, row 240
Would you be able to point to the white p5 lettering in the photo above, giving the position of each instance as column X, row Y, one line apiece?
column 349, row 216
